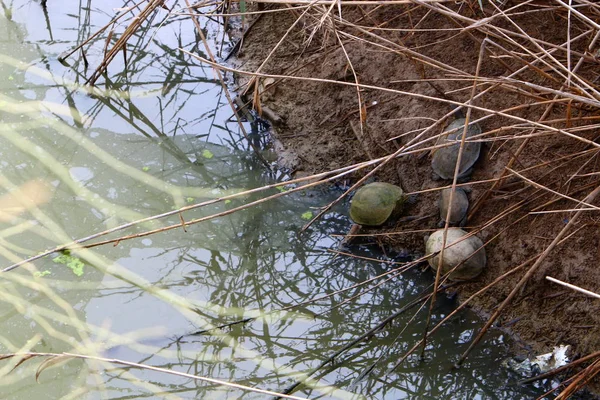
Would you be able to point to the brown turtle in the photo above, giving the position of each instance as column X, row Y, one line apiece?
column 444, row 159
column 460, row 205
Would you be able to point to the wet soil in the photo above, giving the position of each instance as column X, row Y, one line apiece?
column 320, row 129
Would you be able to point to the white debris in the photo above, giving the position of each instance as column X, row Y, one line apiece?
column 549, row 361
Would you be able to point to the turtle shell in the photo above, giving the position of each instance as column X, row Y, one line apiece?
column 469, row 253
column 375, row 203
column 460, row 205
column 444, row 159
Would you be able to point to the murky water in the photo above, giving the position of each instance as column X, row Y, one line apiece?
column 161, row 140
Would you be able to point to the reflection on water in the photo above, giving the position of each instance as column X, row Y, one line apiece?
column 162, row 140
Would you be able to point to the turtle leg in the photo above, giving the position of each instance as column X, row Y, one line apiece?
column 411, row 199
column 409, row 218
column 458, row 112
column 465, row 176
column 354, row 230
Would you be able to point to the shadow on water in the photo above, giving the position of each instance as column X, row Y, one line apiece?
column 161, row 140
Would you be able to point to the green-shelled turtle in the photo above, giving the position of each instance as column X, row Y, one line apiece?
column 375, row 203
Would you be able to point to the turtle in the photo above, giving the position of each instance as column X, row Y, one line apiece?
column 375, row 203
column 444, row 159
column 460, row 205
column 467, row 255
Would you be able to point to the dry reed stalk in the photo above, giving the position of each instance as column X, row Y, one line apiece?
column 511, row 162
column 121, row 43
column 561, row 369
column 52, row 358
column 226, row 89
column 390, row 274
column 63, row 56
column 348, row 2
column 450, row 202
column 409, row 94
column 77, row 243
column 460, row 307
column 574, row 287
column 369, row 333
column 579, row 380
column 184, row 223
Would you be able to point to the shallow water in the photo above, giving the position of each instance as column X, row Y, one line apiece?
column 162, row 140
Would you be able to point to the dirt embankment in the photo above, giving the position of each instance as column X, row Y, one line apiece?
column 413, row 62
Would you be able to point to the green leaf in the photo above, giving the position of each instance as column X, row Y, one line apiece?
column 227, row 201
column 74, row 263
column 282, row 189
column 307, row 215
column 145, row 169
column 207, row 154
column 41, row 274
column 190, row 200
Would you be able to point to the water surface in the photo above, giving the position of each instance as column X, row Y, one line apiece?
column 163, row 138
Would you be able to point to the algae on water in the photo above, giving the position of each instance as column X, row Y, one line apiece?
column 74, row 263
column 307, row 215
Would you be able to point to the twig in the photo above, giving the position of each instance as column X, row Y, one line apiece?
column 76, row 243
column 457, row 167
column 63, row 56
column 580, row 380
column 122, row 41
column 576, row 288
column 147, row 367
column 409, row 94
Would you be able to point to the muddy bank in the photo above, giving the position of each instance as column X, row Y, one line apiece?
column 416, row 62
